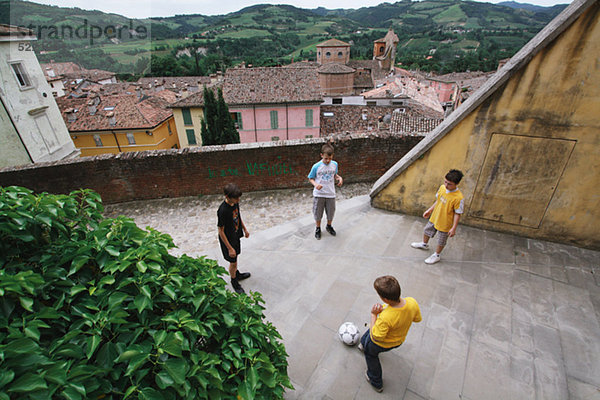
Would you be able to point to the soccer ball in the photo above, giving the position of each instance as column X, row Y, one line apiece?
column 349, row 333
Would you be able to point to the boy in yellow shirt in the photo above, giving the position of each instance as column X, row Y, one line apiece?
column 389, row 326
column 443, row 215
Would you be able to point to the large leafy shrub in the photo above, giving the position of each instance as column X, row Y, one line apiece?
column 95, row 308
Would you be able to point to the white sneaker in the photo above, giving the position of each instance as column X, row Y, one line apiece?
column 432, row 259
column 419, row 245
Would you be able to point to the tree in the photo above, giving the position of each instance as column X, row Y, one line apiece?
column 217, row 126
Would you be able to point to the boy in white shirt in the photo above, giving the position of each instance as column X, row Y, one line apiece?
column 323, row 176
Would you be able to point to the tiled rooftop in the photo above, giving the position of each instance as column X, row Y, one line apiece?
column 407, row 87
column 335, row 68
column 410, row 124
column 333, row 43
column 123, row 111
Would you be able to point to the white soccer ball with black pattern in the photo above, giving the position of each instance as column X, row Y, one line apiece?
column 349, row 333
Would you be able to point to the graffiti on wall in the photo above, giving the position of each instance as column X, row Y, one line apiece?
column 254, row 168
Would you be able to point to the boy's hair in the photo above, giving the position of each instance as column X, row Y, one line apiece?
column 232, row 191
column 387, row 287
column 327, row 149
column 454, row 175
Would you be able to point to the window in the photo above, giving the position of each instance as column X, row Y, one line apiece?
column 274, row 120
column 275, row 138
column 21, row 75
column 371, row 103
column 309, row 117
column 340, row 54
column 336, row 101
column 98, row 141
column 191, row 136
column 328, row 54
column 130, row 138
column 237, row 119
column 187, row 116
column 169, row 128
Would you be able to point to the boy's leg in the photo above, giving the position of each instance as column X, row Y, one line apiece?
column 318, row 208
column 372, row 351
column 330, row 210
column 428, row 233
column 435, row 257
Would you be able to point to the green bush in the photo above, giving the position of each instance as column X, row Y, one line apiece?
column 95, row 308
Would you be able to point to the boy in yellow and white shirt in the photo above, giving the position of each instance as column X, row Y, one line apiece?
column 389, row 326
column 443, row 215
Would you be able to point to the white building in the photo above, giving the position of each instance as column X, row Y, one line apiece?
column 31, row 126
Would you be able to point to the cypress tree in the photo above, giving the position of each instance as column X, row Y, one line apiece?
column 217, row 126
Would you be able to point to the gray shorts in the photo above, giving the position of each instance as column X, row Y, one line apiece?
column 431, row 231
column 323, row 203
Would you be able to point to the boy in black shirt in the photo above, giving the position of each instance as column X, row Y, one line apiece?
column 231, row 229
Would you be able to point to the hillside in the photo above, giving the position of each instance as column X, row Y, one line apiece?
column 437, row 35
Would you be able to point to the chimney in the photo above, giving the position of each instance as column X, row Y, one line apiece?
column 92, row 107
column 71, row 117
column 112, row 121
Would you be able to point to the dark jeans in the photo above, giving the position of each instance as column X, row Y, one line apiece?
column 372, row 351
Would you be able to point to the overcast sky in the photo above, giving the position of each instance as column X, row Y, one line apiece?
column 162, row 8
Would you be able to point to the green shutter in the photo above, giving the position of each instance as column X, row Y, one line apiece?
column 187, row 116
column 274, row 120
column 191, row 137
column 238, row 119
column 309, row 117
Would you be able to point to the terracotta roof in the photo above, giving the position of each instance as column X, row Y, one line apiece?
column 403, row 86
column 264, row 85
column 193, row 100
column 61, row 68
column 268, row 85
column 333, row 43
column 110, row 112
column 403, row 123
column 372, row 65
column 177, row 82
column 303, row 64
column 335, row 68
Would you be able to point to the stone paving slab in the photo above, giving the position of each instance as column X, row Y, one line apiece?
column 504, row 317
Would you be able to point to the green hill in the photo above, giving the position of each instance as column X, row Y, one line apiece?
column 439, row 35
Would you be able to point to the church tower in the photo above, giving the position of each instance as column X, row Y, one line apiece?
column 384, row 50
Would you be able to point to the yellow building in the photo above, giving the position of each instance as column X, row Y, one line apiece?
column 527, row 142
column 119, row 123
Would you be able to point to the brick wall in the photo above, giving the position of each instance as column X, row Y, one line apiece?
column 205, row 170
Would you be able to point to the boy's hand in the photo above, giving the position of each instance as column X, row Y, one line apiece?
column 319, row 187
column 340, row 180
column 232, row 253
column 376, row 309
column 246, row 233
column 427, row 213
column 452, row 232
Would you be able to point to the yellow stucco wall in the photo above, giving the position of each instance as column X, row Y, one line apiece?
column 197, row 114
column 160, row 139
column 529, row 151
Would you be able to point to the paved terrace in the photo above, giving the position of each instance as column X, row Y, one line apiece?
column 504, row 317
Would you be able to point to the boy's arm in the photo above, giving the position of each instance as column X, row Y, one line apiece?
column 452, row 230
column 428, row 212
column 246, row 231
column 315, row 184
column 226, row 241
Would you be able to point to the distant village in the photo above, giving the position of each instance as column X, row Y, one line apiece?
column 62, row 110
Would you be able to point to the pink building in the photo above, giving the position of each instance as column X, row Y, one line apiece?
column 274, row 103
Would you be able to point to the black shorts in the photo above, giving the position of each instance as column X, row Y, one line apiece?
column 236, row 246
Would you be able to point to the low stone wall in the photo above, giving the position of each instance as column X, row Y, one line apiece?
column 205, row 170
